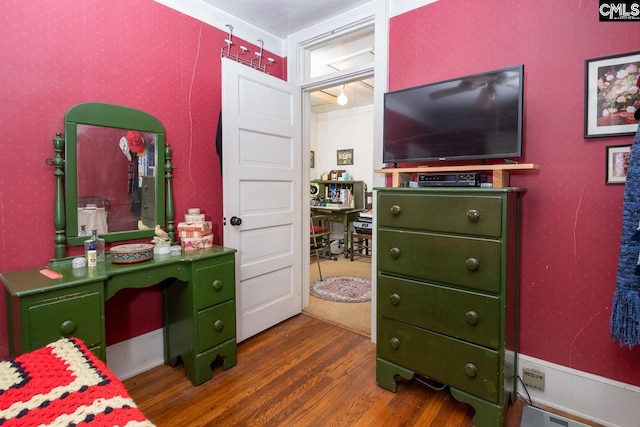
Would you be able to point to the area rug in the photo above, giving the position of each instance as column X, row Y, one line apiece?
column 64, row 384
column 342, row 289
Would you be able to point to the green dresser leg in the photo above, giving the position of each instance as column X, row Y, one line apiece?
column 229, row 352
column 201, row 371
column 386, row 374
column 487, row 414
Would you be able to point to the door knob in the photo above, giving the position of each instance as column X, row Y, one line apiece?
column 235, row 220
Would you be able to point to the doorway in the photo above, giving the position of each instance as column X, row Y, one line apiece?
column 336, row 126
column 320, row 58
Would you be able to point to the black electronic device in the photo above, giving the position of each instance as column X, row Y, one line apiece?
column 461, row 179
column 363, row 227
column 473, row 117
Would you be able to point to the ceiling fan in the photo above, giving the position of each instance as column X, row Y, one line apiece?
column 487, row 83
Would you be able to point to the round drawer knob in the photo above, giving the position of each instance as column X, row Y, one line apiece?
column 218, row 325
column 395, row 253
column 68, row 327
column 217, row 285
column 470, row 370
column 395, row 210
column 473, row 215
column 395, row 299
column 472, row 317
column 472, row 264
column 394, row 343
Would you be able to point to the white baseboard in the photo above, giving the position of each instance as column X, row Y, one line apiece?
column 592, row 397
column 136, row 355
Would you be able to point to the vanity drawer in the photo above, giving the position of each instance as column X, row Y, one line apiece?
column 216, row 325
column 467, row 262
column 77, row 316
column 465, row 315
column 215, row 284
column 461, row 365
column 460, row 214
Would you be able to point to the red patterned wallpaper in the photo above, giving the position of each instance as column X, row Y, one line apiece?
column 136, row 53
column 571, row 219
column 143, row 55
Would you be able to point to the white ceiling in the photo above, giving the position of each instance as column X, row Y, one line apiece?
column 284, row 17
column 359, row 93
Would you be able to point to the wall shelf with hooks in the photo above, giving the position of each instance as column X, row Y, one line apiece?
column 255, row 63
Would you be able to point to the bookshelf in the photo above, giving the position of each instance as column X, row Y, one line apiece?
column 340, row 194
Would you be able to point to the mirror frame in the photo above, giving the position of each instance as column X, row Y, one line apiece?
column 108, row 115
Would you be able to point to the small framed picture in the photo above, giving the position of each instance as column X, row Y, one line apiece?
column 617, row 163
column 611, row 95
column 312, row 159
column 345, row 157
column 335, row 175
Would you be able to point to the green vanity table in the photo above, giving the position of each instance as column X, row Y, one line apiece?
column 198, row 287
column 198, row 298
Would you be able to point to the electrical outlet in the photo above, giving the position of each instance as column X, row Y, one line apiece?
column 533, row 378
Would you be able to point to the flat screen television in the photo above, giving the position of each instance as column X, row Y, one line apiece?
column 473, row 117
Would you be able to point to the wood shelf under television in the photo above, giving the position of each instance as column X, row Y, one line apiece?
column 500, row 173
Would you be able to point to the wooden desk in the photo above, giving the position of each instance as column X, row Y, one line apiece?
column 198, row 306
column 345, row 216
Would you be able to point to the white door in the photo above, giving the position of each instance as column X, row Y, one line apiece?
column 262, row 194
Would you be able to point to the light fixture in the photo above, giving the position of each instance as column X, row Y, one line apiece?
column 342, row 98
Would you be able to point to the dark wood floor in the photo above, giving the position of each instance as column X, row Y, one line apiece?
column 303, row 372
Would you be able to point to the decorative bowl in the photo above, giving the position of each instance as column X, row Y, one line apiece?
column 131, row 253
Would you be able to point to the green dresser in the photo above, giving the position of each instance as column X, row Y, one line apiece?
column 447, row 298
column 198, row 298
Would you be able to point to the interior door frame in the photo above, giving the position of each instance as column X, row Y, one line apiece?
column 374, row 13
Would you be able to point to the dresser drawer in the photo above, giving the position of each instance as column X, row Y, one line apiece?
column 148, row 201
column 461, row 365
column 467, row 262
column 216, row 325
column 78, row 316
column 461, row 214
column 148, row 189
column 465, row 315
column 215, row 284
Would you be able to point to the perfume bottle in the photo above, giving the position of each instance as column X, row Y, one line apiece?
column 98, row 245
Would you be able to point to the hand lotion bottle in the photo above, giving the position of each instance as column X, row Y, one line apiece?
column 98, row 245
column 92, row 256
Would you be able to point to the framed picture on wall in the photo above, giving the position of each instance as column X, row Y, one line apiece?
column 345, row 157
column 617, row 163
column 312, row 159
column 611, row 95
